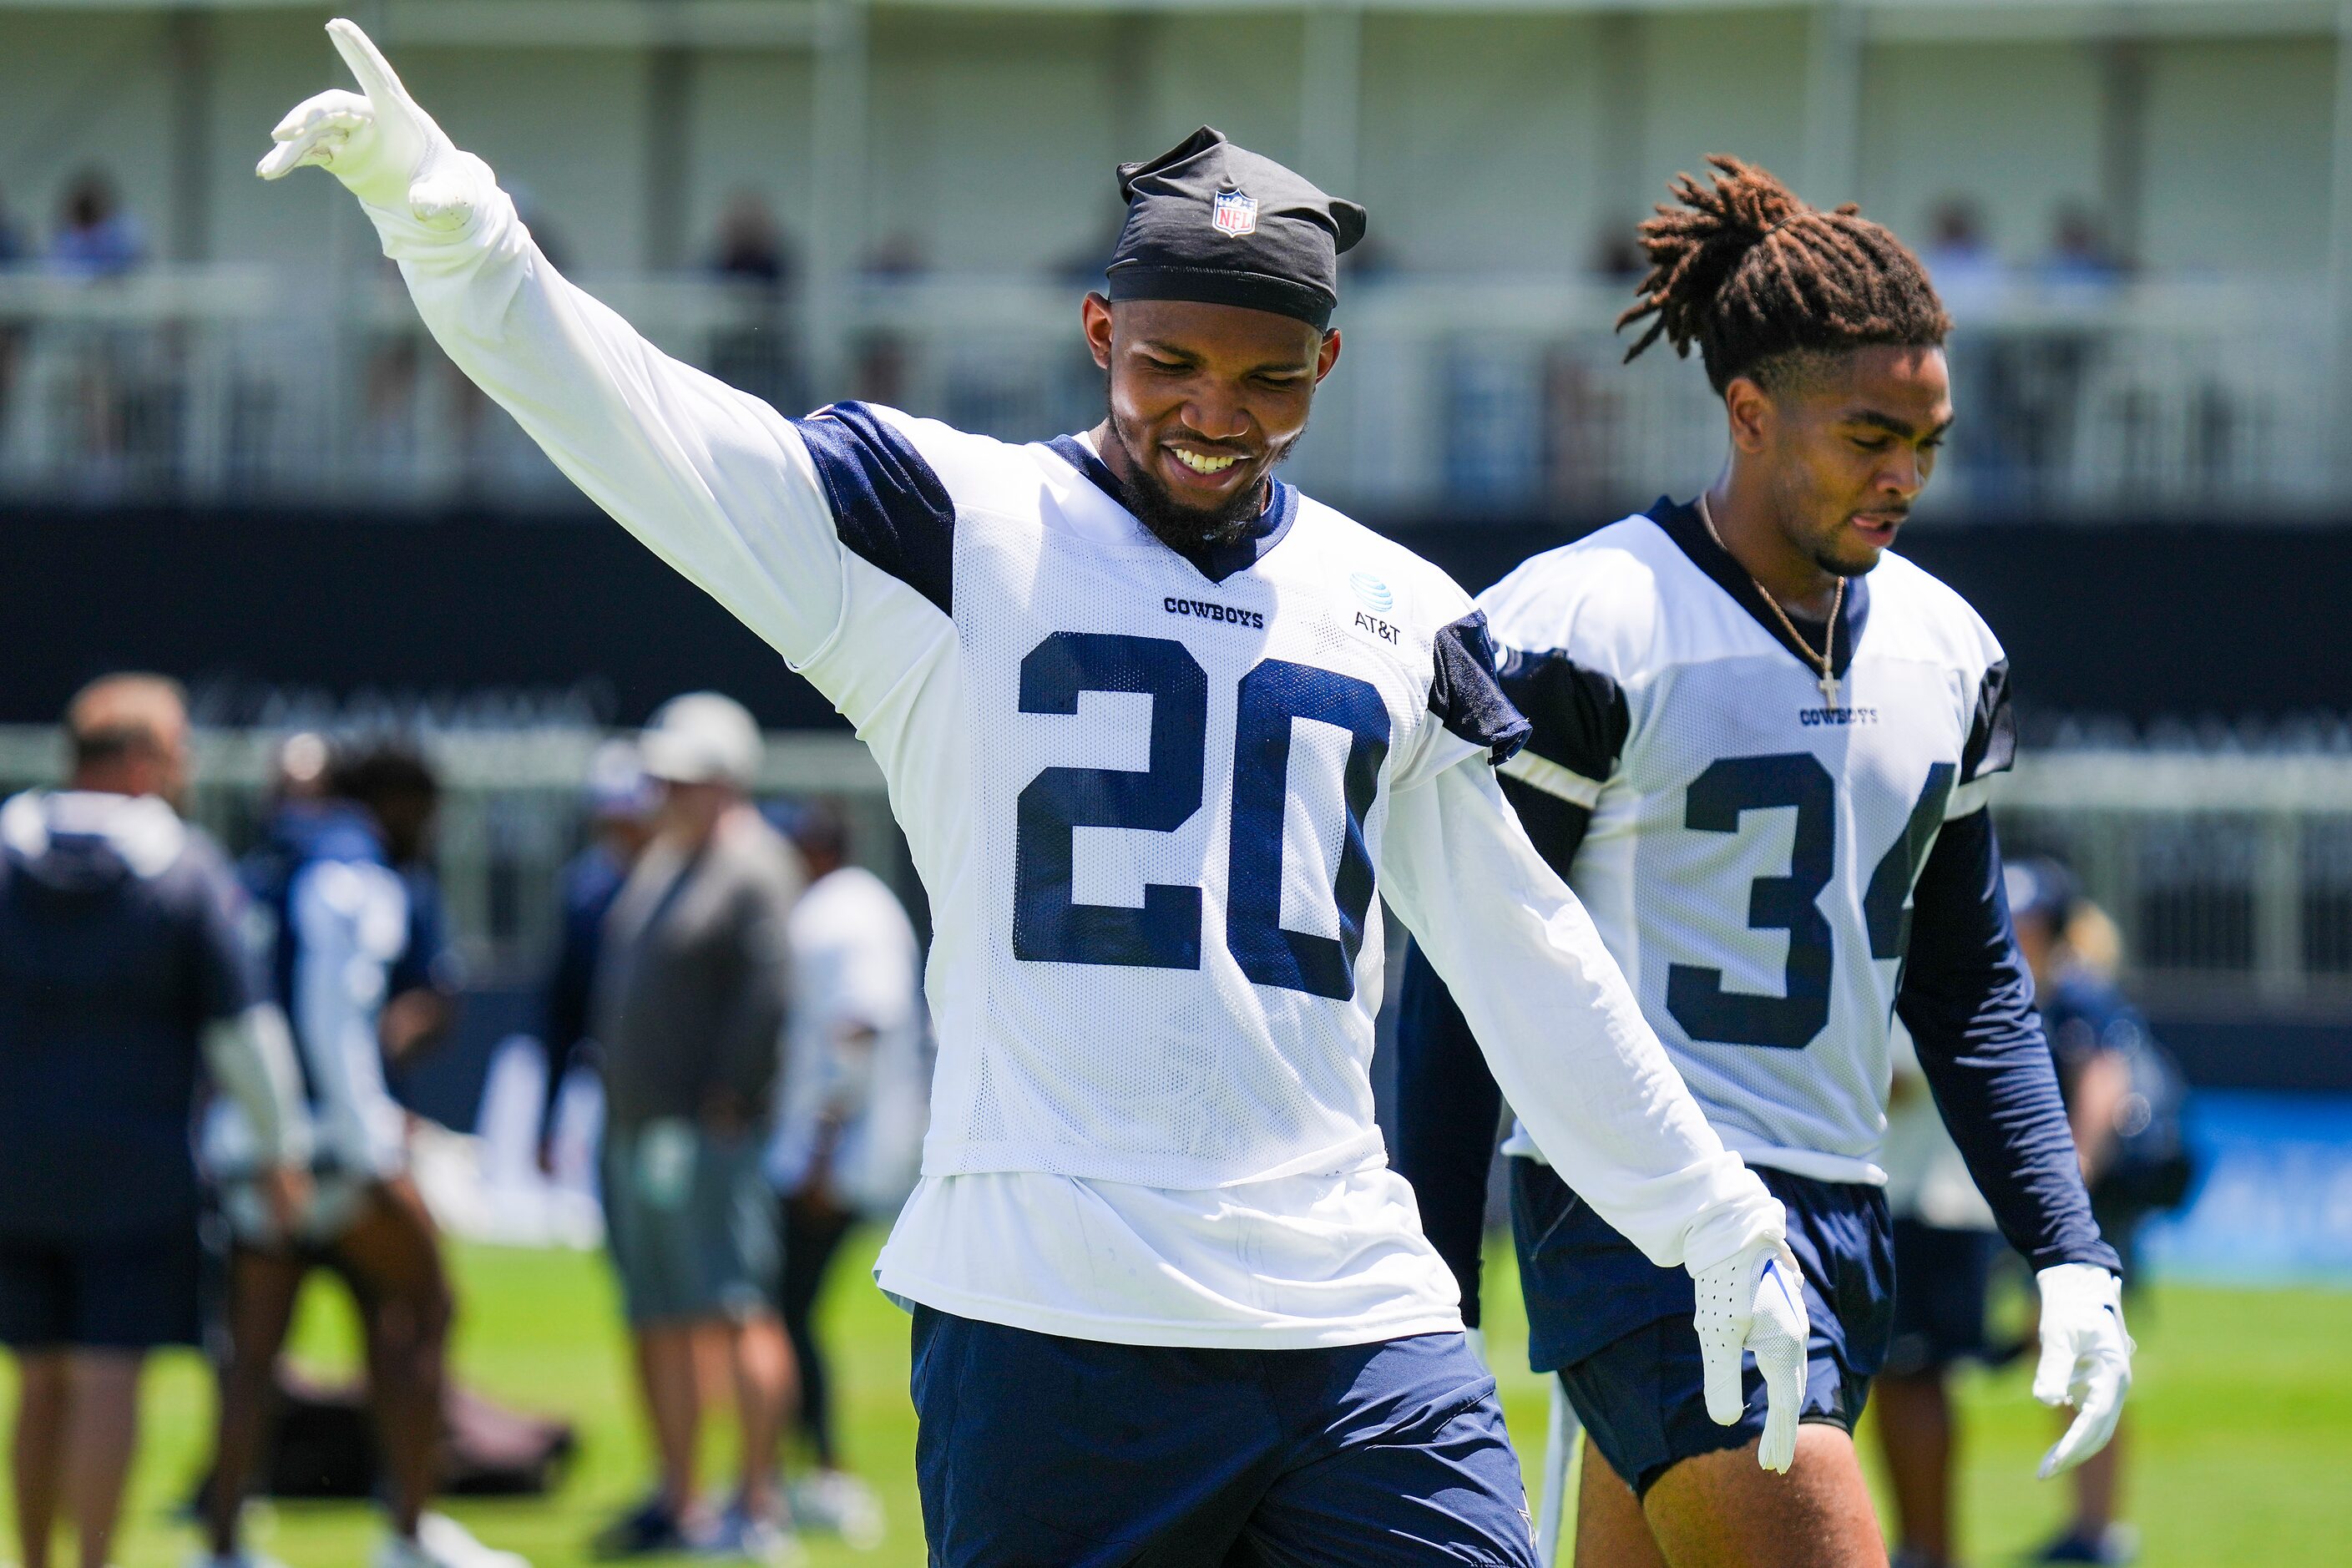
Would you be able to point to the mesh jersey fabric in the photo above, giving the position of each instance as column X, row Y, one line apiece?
column 874, row 553
column 1752, row 850
column 1246, row 733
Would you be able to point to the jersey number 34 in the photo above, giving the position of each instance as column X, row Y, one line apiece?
column 1696, row 995
column 1049, row 926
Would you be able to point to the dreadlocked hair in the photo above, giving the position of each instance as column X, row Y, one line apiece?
column 1763, row 283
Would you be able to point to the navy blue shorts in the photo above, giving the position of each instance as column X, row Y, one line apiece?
column 1038, row 1450
column 131, row 1291
column 1941, row 1278
column 1618, row 1330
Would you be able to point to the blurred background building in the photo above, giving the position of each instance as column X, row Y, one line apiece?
column 227, row 450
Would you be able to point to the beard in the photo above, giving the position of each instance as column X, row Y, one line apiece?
column 1192, row 529
column 1837, row 566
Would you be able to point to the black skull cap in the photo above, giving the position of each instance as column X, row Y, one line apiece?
column 1209, row 221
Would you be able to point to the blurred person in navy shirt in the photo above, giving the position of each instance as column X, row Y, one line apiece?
column 620, row 803
column 394, row 784
column 341, row 925
column 122, row 978
column 95, row 238
column 2123, row 1093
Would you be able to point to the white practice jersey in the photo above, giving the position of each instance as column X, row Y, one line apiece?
column 1151, row 799
column 1750, row 850
column 854, row 1059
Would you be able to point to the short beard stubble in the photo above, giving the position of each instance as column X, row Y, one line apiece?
column 1192, row 531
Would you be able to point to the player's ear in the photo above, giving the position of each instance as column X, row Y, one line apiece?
column 1328, row 355
column 1094, row 315
column 1750, row 408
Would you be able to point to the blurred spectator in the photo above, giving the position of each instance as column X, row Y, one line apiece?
column 2124, row 1095
column 896, row 256
column 396, row 786
column 621, row 802
column 14, row 248
column 1617, row 255
column 1370, row 260
column 1083, row 265
column 690, row 1006
column 751, row 255
column 15, row 251
column 750, row 246
column 340, row 925
column 849, row 1137
column 121, row 968
column 1946, row 1244
column 1959, row 260
column 95, row 238
column 2079, row 254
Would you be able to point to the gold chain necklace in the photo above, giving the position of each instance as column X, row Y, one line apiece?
column 1821, row 662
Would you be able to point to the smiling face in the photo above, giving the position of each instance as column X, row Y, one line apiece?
column 1204, row 401
column 1846, row 444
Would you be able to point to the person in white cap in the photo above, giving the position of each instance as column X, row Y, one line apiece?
column 689, row 1008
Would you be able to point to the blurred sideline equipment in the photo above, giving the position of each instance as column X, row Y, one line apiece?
column 123, row 976
column 944, row 589
column 1755, row 650
column 345, row 937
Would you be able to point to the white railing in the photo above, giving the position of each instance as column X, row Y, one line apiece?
column 1457, row 397
column 2229, row 874
column 511, row 815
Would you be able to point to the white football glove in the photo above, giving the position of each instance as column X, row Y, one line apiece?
column 382, row 146
column 2085, row 1358
column 1754, row 1302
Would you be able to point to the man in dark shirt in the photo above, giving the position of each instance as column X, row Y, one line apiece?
column 691, row 993
column 621, row 802
column 121, row 978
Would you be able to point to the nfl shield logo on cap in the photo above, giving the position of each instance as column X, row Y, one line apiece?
column 1234, row 213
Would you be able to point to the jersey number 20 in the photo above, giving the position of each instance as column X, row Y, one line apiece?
column 1694, row 994
column 1049, row 926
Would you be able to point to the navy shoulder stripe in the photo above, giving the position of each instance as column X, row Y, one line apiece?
column 1466, row 694
column 889, row 505
column 1580, row 715
column 1992, row 733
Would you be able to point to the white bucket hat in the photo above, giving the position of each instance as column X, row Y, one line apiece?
column 701, row 738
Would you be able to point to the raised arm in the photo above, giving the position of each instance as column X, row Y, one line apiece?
column 713, row 481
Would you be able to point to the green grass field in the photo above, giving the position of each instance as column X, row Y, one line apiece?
column 2242, row 1441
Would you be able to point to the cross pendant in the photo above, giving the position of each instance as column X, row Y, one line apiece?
column 1829, row 689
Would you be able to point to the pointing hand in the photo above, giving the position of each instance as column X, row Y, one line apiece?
column 384, row 148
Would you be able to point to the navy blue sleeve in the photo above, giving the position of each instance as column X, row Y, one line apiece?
column 1555, row 827
column 889, row 505
column 428, row 962
column 1968, row 999
column 1579, row 716
column 1991, row 745
column 1448, row 1109
column 1579, row 721
column 1465, row 693
column 588, row 889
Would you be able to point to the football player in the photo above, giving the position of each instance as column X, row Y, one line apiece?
column 332, row 914
column 1761, row 750
column 1155, row 725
